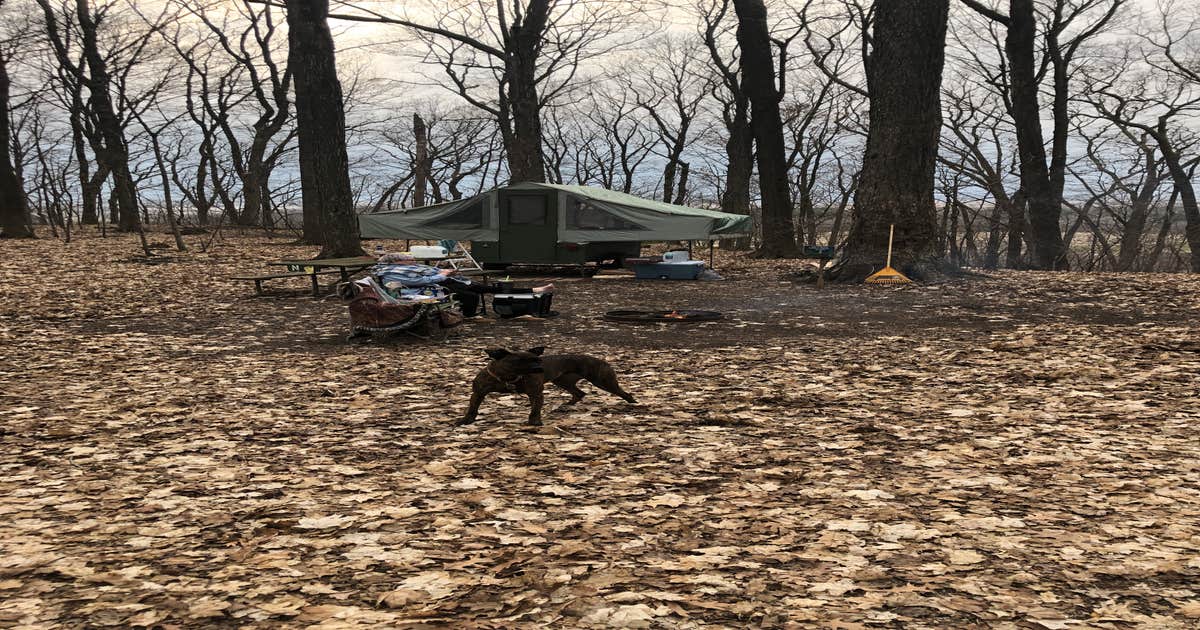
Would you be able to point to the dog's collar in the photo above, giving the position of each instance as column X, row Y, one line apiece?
column 492, row 374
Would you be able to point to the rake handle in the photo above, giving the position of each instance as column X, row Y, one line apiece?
column 891, row 232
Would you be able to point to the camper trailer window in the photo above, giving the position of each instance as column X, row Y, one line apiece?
column 470, row 217
column 527, row 211
column 585, row 216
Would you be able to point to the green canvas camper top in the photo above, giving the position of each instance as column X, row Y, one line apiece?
column 574, row 214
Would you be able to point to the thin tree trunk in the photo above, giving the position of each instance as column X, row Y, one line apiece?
column 1164, row 231
column 1135, row 225
column 420, row 165
column 161, row 164
column 321, row 126
column 739, row 153
column 991, row 258
column 682, row 189
column 524, row 145
column 1016, row 231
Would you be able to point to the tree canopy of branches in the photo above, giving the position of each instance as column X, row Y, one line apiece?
column 1151, row 99
column 250, row 43
column 92, row 72
column 511, row 60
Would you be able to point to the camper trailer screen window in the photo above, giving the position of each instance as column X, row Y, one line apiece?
column 584, row 216
column 527, row 211
column 470, row 217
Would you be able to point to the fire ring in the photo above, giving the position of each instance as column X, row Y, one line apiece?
column 667, row 317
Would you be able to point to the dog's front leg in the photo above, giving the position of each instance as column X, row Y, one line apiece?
column 535, row 413
column 472, row 408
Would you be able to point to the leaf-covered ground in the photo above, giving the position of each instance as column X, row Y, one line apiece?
column 1010, row 451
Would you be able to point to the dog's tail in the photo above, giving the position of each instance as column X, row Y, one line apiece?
column 607, row 380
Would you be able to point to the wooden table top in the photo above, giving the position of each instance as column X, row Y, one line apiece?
column 353, row 261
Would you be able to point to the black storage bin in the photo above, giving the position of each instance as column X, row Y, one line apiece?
column 517, row 304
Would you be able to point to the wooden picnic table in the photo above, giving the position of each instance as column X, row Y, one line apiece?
column 347, row 267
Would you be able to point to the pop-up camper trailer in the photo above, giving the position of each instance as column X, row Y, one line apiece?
column 553, row 224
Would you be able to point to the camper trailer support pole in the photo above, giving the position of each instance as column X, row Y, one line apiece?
column 711, row 254
column 690, row 250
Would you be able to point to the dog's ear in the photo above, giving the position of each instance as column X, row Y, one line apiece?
column 538, row 350
column 497, row 353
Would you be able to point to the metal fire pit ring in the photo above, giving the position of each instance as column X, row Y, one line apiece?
column 682, row 316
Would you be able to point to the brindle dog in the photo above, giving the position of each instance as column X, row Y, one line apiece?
column 527, row 372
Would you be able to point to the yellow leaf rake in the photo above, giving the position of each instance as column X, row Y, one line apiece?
column 887, row 275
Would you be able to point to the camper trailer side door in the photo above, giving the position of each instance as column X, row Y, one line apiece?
column 528, row 228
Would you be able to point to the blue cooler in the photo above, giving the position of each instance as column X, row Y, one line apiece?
column 686, row 270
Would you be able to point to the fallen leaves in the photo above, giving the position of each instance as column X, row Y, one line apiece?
column 964, row 556
column 987, row 454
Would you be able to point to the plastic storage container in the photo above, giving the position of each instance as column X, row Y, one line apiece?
column 429, row 251
column 669, row 271
column 677, row 255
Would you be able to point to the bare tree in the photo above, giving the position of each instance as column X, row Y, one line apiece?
column 95, row 74
column 1069, row 25
column 461, row 154
column 812, row 125
column 669, row 86
column 420, row 161
column 248, row 40
column 1153, row 103
column 759, row 82
column 622, row 140
column 154, row 136
column 1134, row 183
column 510, row 59
column 978, row 145
column 735, row 110
column 207, row 90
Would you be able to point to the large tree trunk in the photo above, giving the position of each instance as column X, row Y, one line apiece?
column 14, row 211
column 758, row 72
column 524, row 143
column 1045, row 207
column 321, row 127
column 904, row 79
